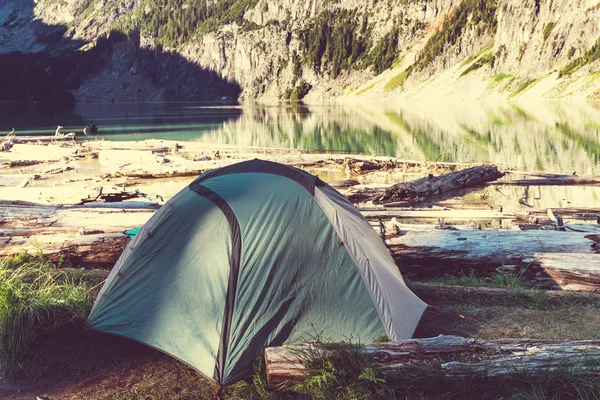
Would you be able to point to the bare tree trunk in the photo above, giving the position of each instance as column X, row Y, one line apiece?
column 428, row 187
column 566, row 180
column 547, row 259
column 94, row 250
column 456, row 356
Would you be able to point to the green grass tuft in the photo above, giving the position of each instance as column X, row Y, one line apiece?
column 479, row 15
column 486, row 59
column 366, row 89
column 548, row 29
column 36, row 298
column 340, row 371
column 523, row 86
column 497, row 280
column 397, row 81
column 500, row 77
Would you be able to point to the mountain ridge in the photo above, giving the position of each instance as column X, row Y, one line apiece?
column 320, row 50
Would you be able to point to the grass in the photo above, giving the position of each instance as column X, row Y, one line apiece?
column 523, row 86
column 36, row 299
column 486, row 59
column 499, row 79
column 397, row 81
column 466, row 311
column 343, row 372
column 473, row 57
column 474, row 14
column 495, row 313
column 42, row 333
column 497, row 280
column 367, row 88
column 502, row 76
column 548, row 29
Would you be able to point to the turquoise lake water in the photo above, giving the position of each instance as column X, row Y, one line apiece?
column 550, row 137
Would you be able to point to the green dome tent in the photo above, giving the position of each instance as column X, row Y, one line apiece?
column 248, row 256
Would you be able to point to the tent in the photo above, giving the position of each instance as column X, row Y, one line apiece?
column 248, row 256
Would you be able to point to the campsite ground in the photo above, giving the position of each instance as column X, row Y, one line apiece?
column 70, row 362
column 93, row 366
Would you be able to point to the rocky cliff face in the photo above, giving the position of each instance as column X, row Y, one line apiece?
column 412, row 49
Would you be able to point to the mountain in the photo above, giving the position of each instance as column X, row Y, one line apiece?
column 123, row 50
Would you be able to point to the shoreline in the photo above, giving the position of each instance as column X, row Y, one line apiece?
column 72, row 205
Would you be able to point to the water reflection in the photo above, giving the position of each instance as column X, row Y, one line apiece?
column 552, row 137
column 325, row 128
column 122, row 121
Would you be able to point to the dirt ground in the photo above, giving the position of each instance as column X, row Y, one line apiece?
column 110, row 368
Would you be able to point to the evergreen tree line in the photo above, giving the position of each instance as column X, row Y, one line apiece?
column 174, row 22
column 338, row 40
column 478, row 14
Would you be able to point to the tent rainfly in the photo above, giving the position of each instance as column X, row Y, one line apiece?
column 248, row 256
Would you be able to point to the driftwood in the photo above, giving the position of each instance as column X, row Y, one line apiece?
column 115, row 195
column 448, row 204
column 24, row 163
column 58, row 170
column 547, row 259
column 428, row 187
column 549, row 215
column 456, row 357
column 27, row 181
column 343, row 184
column 389, row 213
column 566, row 180
column 89, row 236
column 19, row 215
column 8, row 143
column 98, row 250
column 354, row 165
column 42, row 139
column 450, row 211
column 580, row 272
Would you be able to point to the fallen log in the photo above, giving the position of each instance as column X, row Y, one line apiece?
column 455, row 356
column 428, row 187
column 98, row 250
column 58, row 170
column 567, row 180
column 42, row 139
column 7, row 144
column 160, row 172
column 546, row 259
column 449, row 205
column 24, row 163
column 587, row 228
column 343, row 184
column 134, row 206
column 115, row 195
column 579, row 272
column 354, row 165
column 373, row 213
column 14, row 214
column 587, row 213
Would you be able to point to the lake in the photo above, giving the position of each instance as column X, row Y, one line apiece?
column 561, row 137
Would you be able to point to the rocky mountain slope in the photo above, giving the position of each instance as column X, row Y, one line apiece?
column 120, row 50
